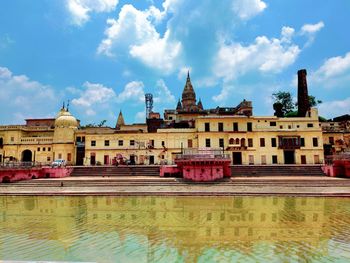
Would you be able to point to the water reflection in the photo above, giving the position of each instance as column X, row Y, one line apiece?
column 175, row 229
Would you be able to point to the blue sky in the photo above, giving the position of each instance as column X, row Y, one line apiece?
column 104, row 55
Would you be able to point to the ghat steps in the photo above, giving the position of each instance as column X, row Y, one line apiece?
column 236, row 170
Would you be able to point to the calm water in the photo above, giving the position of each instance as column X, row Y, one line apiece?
column 175, row 229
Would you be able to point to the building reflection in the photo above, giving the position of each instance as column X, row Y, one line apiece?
column 189, row 224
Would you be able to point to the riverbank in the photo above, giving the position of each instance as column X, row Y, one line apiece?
column 155, row 186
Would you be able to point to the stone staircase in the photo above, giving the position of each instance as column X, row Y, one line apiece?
column 129, row 170
column 276, row 170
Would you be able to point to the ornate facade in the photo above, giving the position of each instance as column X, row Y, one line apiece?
column 248, row 139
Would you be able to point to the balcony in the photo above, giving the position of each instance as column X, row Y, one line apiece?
column 36, row 140
column 289, row 143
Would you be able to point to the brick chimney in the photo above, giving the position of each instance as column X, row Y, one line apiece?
column 303, row 95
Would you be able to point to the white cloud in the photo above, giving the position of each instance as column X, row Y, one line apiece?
column 312, row 28
column 135, row 33
column 331, row 109
column 265, row 55
column 94, row 94
column 333, row 67
column 80, row 9
column 163, row 94
column 22, row 97
column 246, row 9
column 133, row 91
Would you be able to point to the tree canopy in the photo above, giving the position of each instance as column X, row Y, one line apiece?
column 284, row 105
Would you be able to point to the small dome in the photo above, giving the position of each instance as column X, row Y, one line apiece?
column 65, row 119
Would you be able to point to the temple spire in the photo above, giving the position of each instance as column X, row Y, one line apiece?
column 188, row 95
column 120, row 121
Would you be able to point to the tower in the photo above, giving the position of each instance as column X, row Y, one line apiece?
column 188, row 96
column 303, row 96
column 149, row 104
column 120, row 121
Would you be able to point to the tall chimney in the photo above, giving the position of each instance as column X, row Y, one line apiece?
column 303, row 96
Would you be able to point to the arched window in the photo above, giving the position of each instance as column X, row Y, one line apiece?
column 237, row 141
column 243, row 142
column 231, row 141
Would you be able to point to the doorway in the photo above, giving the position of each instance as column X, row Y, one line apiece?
column 151, row 159
column 132, row 160
column 237, row 158
column 289, row 157
column 27, row 156
column 92, row 159
column 303, row 159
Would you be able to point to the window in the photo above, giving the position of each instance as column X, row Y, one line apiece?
column 262, row 142
column 69, row 157
column 106, row 142
column 250, row 142
column 151, row 143
column 221, row 142
column 251, row 159
column 249, row 126
column 120, row 142
column 235, row 126
column 310, row 125
column 220, row 126
column 273, row 142
column 48, row 158
column 281, row 126
column 207, row 142
column 263, row 159
column 316, row 159
column 274, row 159
column 302, row 142
column 163, row 143
column 207, row 126
column 273, row 123
column 93, row 143
column 38, row 149
column 78, row 139
column 331, row 140
column 189, row 143
column 243, row 142
column 132, row 142
column 44, row 149
column 315, row 142
column 12, row 139
column 49, row 149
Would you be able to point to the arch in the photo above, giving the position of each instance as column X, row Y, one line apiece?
column 231, row 141
column 237, row 141
column 27, row 156
column 243, row 142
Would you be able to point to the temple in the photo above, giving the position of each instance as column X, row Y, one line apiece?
column 240, row 136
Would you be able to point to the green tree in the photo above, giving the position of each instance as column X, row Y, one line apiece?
column 313, row 102
column 283, row 101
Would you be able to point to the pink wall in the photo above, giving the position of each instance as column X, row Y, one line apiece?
column 13, row 175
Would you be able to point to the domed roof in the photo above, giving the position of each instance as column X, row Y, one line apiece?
column 65, row 119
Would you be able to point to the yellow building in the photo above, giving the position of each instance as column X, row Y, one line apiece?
column 246, row 138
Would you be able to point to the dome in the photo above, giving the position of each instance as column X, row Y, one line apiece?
column 65, row 119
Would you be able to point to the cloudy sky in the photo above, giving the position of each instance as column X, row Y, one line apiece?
column 104, row 55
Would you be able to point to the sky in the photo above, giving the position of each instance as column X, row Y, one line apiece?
column 104, row 55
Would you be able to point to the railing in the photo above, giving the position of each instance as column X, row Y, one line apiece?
column 36, row 140
column 23, row 165
column 331, row 158
column 201, row 156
